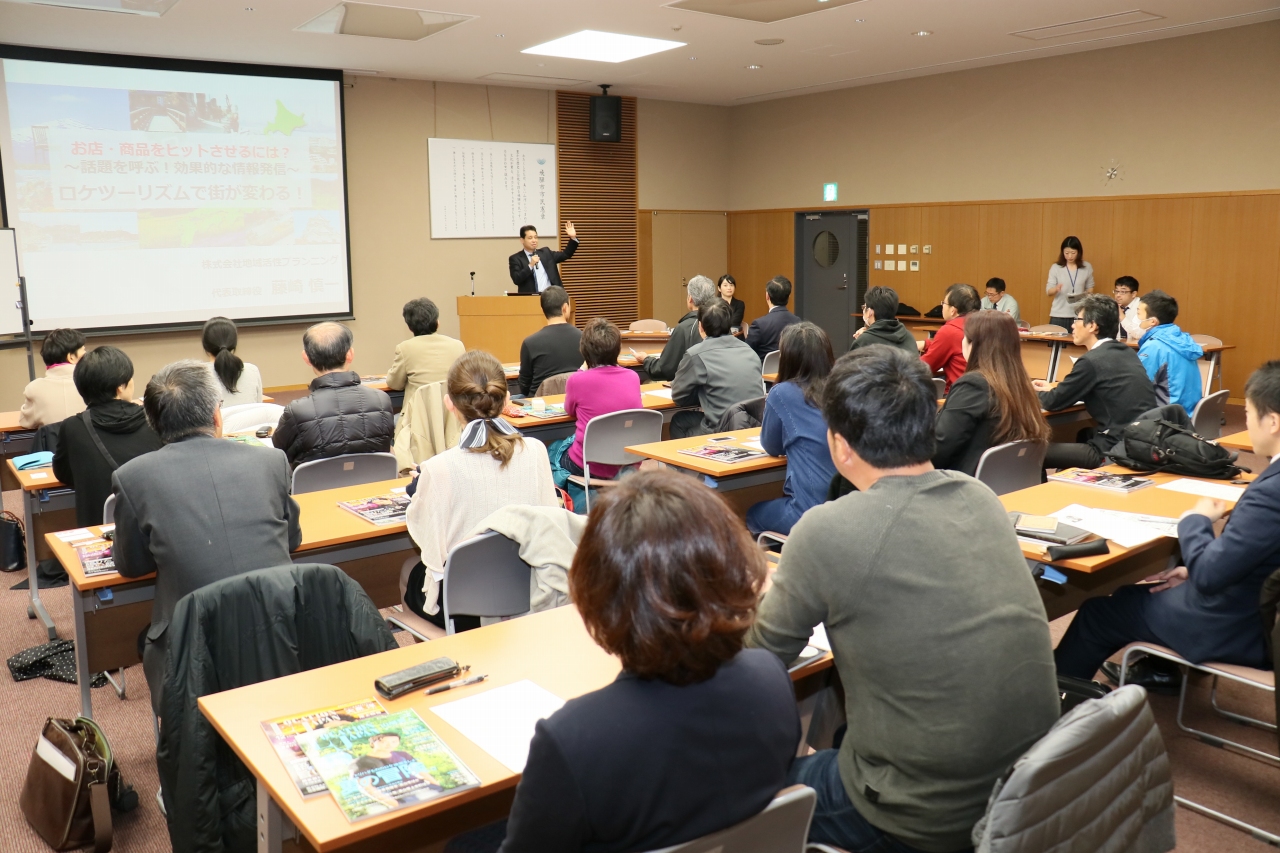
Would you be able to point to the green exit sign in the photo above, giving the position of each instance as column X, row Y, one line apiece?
column 830, row 192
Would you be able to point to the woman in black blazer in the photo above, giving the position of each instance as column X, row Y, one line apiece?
column 993, row 401
column 696, row 733
column 726, row 287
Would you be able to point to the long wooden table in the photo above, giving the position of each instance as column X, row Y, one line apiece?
column 110, row 610
column 548, row 430
column 1237, row 441
column 552, row 649
column 47, row 505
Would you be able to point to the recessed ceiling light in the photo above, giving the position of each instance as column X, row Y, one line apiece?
column 753, row 67
column 602, row 47
column 499, row 35
column 692, row 58
column 859, row 20
column 923, row 33
column 768, row 42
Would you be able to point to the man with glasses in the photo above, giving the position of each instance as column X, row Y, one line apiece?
column 1126, row 291
column 1109, row 379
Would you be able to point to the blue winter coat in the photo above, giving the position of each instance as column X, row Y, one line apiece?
column 1169, row 356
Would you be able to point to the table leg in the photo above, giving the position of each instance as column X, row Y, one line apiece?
column 272, row 824
column 80, row 602
column 35, row 607
column 1055, row 353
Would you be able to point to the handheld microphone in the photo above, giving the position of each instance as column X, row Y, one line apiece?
column 473, row 284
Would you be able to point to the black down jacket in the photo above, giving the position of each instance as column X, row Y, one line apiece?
column 340, row 416
column 239, row 631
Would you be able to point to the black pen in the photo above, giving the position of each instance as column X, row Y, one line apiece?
column 461, row 682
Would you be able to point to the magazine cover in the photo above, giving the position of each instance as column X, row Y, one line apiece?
column 553, row 410
column 95, row 557
column 380, row 510
column 283, row 735
column 384, row 763
column 719, row 453
column 1101, row 479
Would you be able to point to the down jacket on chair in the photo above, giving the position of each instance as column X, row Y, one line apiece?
column 243, row 630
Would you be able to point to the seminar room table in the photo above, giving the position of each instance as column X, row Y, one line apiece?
column 46, row 505
column 551, row 649
column 740, row 483
column 548, row 430
column 1050, row 366
column 15, row 440
column 1237, row 441
column 1088, row 577
column 110, row 610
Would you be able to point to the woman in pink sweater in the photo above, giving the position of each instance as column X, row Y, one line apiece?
column 602, row 388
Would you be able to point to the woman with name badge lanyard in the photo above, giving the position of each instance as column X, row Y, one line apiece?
column 1070, row 280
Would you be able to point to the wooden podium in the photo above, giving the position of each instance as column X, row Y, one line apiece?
column 499, row 324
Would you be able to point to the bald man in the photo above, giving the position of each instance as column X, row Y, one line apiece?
column 341, row 415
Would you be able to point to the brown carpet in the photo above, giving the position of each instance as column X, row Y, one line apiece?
column 1243, row 787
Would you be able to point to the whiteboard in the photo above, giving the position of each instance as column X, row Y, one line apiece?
column 491, row 189
column 10, row 314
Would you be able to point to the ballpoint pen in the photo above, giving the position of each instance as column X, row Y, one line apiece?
column 461, row 682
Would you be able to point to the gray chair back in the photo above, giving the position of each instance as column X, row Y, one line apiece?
column 1206, row 420
column 484, row 576
column 771, row 362
column 553, row 385
column 1009, row 467
column 1207, row 340
column 1050, row 329
column 647, row 326
column 109, row 510
column 608, row 436
column 782, row 827
column 940, row 385
column 350, row 469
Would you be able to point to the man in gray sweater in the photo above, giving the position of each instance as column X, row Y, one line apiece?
column 938, row 631
column 716, row 373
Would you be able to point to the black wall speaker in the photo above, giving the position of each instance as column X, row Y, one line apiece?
column 606, row 118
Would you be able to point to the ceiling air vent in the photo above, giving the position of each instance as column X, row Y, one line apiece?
column 150, row 8
column 764, row 11
column 1088, row 25
column 382, row 22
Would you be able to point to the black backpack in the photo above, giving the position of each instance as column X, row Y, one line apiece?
column 1171, row 446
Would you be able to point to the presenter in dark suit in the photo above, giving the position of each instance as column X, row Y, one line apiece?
column 533, row 270
column 764, row 332
column 1207, row 609
column 199, row 509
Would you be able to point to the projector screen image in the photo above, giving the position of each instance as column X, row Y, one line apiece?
column 152, row 197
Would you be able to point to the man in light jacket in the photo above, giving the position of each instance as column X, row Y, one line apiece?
column 700, row 291
column 53, row 398
column 1168, row 354
column 715, row 374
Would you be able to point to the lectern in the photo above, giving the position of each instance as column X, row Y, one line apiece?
column 498, row 324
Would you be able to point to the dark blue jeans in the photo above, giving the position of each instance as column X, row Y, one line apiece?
column 835, row 820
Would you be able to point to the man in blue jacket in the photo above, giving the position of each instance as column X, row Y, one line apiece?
column 1207, row 609
column 1169, row 354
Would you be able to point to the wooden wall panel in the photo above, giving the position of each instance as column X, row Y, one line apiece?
column 644, row 263
column 1093, row 222
column 668, row 296
column 1010, row 247
column 761, row 246
column 899, row 226
column 597, row 191
column 1152, row 243
column 1234, row 275
column 952, row 232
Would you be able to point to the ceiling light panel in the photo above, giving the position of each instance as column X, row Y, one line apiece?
column 386, row 22
column 764, row 11
column 602, row 47
column 150, row 8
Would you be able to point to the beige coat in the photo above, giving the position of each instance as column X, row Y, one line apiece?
column 548, row 537
column 425, row 428
column 51, row 399
column 422, row 360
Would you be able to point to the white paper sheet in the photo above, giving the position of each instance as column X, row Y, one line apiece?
column 1127, row 529
column 664, row 393
column 75, row 535
column 753, row 443
column 819, row 639
column 1220, row 491
column 500, row 721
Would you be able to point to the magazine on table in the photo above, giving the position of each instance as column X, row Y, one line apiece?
column 553, row 410
column 95, row 557
column 283, row 734
column 1102, row 479
column 384, row 763
column 381, row 509
column 720, row 453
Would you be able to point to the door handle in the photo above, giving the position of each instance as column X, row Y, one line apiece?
column 843, row 287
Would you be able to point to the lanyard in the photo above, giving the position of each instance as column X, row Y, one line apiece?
column 1072, row 278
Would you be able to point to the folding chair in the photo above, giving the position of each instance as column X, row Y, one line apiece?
column 940, row 386
column 484, row 576
column 782, row 827
column 606, row 439
column 1009, row 467
column 1049, row 329
column 109, row 510
column 771, row 362
column 647, row 326
column 350, row 469
column 1209, row 413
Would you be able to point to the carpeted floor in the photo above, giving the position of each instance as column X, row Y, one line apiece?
column 1244, row 787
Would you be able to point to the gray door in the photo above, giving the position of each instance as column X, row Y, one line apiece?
column 829, row 287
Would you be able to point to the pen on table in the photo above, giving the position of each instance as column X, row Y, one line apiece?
column 461, row 682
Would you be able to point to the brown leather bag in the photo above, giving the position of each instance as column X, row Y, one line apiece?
column 72, row 783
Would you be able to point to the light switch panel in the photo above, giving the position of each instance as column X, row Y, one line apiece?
column 888, row 248
column 877, row 251
column 915, row 266
column 902, row 266
column 902, row 248
column 879, row 264
column 928, row 249
column 915, row 249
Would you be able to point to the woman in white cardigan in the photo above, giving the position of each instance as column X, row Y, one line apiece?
column 492, row 467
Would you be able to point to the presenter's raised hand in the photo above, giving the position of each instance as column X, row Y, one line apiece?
column 570, row 230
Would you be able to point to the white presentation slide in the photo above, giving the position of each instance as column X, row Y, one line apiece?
column 491, row 189
column 144, row 197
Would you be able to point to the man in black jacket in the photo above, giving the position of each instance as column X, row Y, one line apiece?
column 85, row 459
column 553, row 349
column 341, row 415
column 1109, row 379
column 533, row 270
column 662, row 368
column 879, row 312
column 765, row 332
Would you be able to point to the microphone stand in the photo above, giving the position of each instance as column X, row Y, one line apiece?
column 26, row 326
